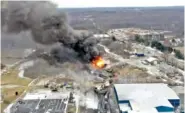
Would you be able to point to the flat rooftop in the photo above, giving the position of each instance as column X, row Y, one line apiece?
column 41, row 102
column 144, row 97
column 40, row 106
column 133, row 91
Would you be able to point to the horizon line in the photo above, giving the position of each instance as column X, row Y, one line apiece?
column 119, row 7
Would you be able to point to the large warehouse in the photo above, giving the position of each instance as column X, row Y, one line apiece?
column 146, row 98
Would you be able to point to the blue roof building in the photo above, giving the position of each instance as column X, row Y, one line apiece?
column 146, row 98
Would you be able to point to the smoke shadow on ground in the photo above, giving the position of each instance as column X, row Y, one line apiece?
column 60, row 55
column 68, row 68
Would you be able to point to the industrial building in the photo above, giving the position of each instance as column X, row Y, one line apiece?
column 42, row 102
column 146, row 98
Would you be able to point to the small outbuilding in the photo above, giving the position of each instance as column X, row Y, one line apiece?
column 152, row 60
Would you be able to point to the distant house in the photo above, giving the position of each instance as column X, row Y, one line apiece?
column 101, row 35
column 176, row 42
column 152, row 60
column 130, row 33
column 152, row 36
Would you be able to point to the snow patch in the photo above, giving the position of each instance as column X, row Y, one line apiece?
column 91, row 103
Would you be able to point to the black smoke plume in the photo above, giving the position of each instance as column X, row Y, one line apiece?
column 48, row 25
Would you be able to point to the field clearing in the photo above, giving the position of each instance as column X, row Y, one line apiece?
column 11, row 77
column 9, row 95
column 128, row 71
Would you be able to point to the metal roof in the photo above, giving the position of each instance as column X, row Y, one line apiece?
column 151, row 59
column 145, row 96
column 129, row 91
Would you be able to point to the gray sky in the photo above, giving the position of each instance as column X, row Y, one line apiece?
column 116, row 3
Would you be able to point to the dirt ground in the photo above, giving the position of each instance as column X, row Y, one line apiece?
column 130, row 74
column 11, row 83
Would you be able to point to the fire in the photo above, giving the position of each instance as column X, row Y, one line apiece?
column 98, row 62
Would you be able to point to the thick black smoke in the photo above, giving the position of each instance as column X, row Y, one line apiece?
column 48, row 25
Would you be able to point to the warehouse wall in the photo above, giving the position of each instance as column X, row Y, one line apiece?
column 174, row 102
column 121, row 101
column 164, row 109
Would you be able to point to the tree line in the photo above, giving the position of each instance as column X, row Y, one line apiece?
column 159, row 46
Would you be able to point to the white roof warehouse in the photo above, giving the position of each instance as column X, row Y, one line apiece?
column 146, row 98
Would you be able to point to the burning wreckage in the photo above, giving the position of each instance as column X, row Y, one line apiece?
column 49, row 26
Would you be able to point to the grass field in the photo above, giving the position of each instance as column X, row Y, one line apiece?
column 8, row 93
column 11, row 77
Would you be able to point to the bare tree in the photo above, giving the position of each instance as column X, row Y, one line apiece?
column 165, row 56
column 129, row 46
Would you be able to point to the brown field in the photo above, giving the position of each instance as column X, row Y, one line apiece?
column 130, row 71
column 8, row 93
column 11, row 77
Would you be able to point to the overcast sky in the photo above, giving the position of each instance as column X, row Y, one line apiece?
column 116, row 3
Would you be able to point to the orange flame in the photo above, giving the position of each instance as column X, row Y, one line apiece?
column 98, row 62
